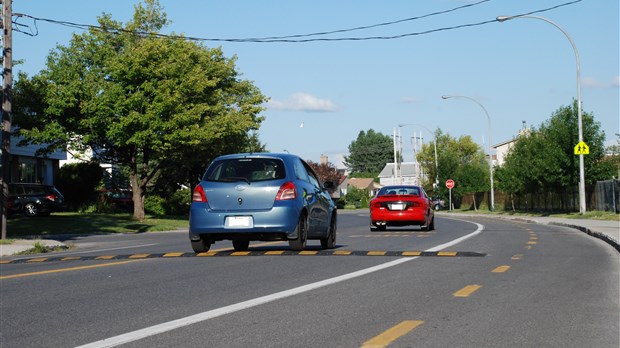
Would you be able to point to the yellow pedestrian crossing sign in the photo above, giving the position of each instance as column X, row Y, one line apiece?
column 582, row 149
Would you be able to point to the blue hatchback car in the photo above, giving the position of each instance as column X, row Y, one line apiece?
column 261, row 197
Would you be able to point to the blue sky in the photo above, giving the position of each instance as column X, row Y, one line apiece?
column 323, row 93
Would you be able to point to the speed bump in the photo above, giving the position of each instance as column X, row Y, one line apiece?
column 172, row 255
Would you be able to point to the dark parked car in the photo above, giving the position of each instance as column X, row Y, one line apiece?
column 264, row 197
column 401, row 205
column 438, row 203
column 34, row 199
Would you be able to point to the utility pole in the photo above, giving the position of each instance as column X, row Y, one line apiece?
column 7, row 83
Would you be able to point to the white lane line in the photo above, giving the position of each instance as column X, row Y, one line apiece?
column 196, row 318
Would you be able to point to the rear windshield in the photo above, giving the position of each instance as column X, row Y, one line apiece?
column 246, row 169
column 396, row 190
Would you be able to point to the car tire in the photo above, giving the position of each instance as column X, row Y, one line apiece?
column 241, row 245
column 330, row 241
column 31, row 209
column 437, row 207
column 299, row 243
column 431, row 226
column 200, row 246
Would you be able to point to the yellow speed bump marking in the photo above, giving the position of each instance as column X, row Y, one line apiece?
column 105, row 257
column 412, row 253
column 308, row 252
column 208, row 253
column 70, row 258
column 531, row 242
column 173, row 254
column 342, row 252
column 517, row 256
column 40, row 259
column 66, row 269
column 240, row 253
column 139, row 256
column 501, row 269
column 467, row 291
column 446, row 253
column 392, row 334
column 375, row 253
column 274, row 252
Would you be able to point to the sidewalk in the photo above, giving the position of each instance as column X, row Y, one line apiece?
column 21, row 245
column 609, row 231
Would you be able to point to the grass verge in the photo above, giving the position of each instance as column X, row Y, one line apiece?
column 88, row 223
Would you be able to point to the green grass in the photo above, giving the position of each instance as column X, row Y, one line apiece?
column 88, row 223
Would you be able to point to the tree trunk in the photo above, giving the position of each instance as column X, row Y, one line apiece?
column 473, row 195
column 138, row 197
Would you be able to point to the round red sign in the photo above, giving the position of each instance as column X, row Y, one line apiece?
column 449, row 183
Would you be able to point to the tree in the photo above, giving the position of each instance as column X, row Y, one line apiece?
column 141, row 101
column 369, row 153
column 327, row 172
column 461, row 160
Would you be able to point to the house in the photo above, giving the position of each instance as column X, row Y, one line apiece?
column 367, row 184
column 409, row 173
column 29, row 168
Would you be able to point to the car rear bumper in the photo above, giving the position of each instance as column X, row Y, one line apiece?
column 397, row 218
column 277, row 223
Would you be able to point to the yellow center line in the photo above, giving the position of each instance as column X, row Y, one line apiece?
column 392, row 334
column 501, row 269
column 66, row 269
column 466, row 291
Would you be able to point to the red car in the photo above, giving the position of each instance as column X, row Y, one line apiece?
column 401, row 205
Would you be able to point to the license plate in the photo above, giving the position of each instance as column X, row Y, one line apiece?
column 239, row 222
column 397, row 206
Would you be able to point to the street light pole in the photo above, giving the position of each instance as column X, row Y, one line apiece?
column 434, row 145
column 582, row 181
column 490, row 153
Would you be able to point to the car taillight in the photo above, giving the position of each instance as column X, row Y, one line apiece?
column 51, row 197
column 375, row 205
column 199, row 195
column 416, row 204
column 287, row 191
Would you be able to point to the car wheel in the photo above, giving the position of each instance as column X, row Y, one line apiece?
column 200, row 246
column 302, row 234
column 330, row 241
column 431, row 226
column 437, row 207
column 241, row 245
column 31, row 209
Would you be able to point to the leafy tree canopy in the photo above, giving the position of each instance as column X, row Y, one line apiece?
column 369, row 153
column 139, row 101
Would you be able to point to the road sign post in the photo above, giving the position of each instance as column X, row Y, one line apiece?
column 450, row 185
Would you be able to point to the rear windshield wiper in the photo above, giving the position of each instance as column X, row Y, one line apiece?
column 234, row 178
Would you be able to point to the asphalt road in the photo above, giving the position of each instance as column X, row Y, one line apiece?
column 479, row 283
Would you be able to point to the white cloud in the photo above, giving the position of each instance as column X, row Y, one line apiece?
column 411, row 100
column 303, row 102
column 591, row 82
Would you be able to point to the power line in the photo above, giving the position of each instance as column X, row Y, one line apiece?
column 299, row 38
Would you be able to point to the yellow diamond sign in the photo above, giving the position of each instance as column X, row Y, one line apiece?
column 582, row 149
